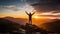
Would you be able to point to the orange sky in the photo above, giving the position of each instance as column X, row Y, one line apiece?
column 38, row 18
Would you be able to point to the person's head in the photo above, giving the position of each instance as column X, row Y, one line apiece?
column 29, row 12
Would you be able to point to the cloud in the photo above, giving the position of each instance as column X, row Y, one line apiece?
column 12, row 7
column 9, row 7
column 46, row 5
column 53, row 14
column 9, row 2
column 49, row 15
column 16, row 9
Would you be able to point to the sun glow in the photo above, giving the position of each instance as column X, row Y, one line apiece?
column 36, row 17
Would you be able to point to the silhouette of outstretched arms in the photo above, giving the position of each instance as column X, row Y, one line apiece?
column 26, row 13
column 33, row 13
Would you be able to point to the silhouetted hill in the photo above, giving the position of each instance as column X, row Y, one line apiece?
column 33, row 29
column 52, row 26
column 20, row 21
column 7, row 26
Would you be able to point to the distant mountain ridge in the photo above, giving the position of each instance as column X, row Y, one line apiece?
column 52, row 26
column 21, row 21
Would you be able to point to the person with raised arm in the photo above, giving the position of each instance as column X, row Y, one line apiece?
column 30, row 16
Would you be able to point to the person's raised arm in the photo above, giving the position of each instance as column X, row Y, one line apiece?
column 26, row 13
column 33, row 13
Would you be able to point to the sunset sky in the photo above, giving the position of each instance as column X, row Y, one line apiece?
column 46, row 11
column 17, row 8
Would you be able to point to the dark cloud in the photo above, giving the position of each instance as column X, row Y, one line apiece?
column 46, row 5
column 39, row 5
column 9, row 2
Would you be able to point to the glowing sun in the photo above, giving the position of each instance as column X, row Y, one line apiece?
column 36, row 17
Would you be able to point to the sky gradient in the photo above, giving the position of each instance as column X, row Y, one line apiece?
column 17, row 8
column 13, row 8
column 45, row 11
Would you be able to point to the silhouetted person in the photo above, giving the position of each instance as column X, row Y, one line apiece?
column 30, row 16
